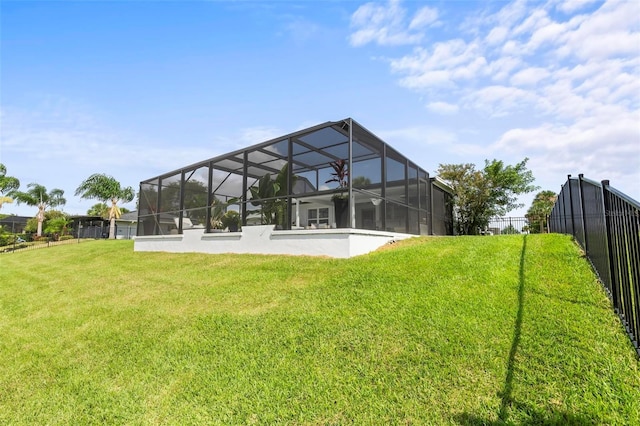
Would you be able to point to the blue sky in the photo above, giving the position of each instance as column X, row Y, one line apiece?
column 135, row 89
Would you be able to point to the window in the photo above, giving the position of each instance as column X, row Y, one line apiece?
column 318, row 216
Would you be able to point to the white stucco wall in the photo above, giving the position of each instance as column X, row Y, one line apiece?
column 263, row 239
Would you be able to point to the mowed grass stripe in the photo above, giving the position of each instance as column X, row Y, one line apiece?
column 464, row 330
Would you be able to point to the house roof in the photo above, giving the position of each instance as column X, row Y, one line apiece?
column 14, row 219
column 437, row 181
column 129, row 216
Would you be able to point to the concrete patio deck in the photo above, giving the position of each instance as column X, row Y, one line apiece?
column 264, row 239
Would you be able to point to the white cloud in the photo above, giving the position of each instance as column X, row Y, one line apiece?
column 549, row 33
column 430, row 145
column 611, row 31
column 536, row 18
column 61, row 131
column 440, row 78
column 501, row 69
column 58, row 129
column 602, row 146
column 444, row 65
column 418, row 135
column 254, row 135
column 529, row 76
column 448, row 63
column 388, row 25
column 563, row 88
column 424, row 17
column 496, row 35
column 442, row 107
column 570, row 6
column 511, row 13
column 500, row 101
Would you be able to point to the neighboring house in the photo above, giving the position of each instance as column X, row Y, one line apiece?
column 442, row 203
column 382, row 189
column 89, row 226
column 98, row 227
column 15, row 224
column 126, row 225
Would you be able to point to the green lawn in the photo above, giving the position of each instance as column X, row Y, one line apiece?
column 459, row 330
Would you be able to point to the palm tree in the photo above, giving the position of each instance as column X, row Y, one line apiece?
column 37, row 195
column 540, row 210
column 105, row 188
column 99, row 209
column 8, row 185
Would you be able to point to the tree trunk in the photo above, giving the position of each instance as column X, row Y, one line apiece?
column 112, row 218
column 40, row 220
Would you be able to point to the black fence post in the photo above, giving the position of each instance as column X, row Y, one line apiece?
column 563, row 194
column 622, row 217
column 584, row 213
column 611, row 242
column 615, row 296
column 573, row 226
column 635, row 271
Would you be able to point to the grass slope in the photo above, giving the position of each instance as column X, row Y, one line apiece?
column 506, row 329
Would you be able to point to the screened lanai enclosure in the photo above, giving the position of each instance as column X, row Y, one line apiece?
column 331, row 176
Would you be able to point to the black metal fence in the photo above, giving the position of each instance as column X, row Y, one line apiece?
column 606, row 224
column 44, row 243
column 506, row 225
column 92, row 231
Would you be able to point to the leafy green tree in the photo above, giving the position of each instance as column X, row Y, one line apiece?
column 540, row 210
column 8, row 185
column 37, row 195
column 105, row 188
column 57, row 227
column 102, row 210
column 479, row 195
column 32, row 225
column 4, row 237
column 470, row 196
column 509, row 229
column 57, row 223
column 361, row 182
column 270, row 196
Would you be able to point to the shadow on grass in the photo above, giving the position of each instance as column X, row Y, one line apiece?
column 517, row 330
column 533, row 416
